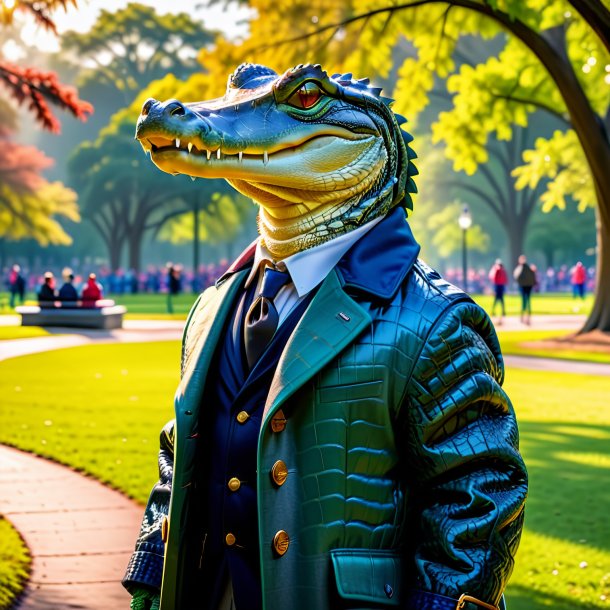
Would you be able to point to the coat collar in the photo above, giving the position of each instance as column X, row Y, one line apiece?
column 375, row 265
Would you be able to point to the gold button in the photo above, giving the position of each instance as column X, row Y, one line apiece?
column 281, row 542
column 278, row 421
column 164, row 529
column 230, row 539
column 242, row 417
column 279, row 473
column 234, row 484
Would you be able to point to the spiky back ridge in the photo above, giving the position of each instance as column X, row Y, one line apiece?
column 363, row 85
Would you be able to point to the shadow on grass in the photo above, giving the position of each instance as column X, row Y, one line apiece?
column 569, row 467
column 522, row 598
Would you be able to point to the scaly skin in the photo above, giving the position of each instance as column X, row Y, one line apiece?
column 320, row 155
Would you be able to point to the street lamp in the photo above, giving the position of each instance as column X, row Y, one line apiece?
column 465, row 222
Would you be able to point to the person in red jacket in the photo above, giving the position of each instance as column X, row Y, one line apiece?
column 499, row 278
column 92, row 292
column 579, row 280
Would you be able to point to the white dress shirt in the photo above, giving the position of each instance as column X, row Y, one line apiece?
column 307, row 269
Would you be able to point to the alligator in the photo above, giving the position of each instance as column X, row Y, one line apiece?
column 320, row 155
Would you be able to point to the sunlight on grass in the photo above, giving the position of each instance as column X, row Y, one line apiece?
column 100, row 409
column 8, row 333
column 542, row 304
column 565, row 430
column 97, row 408
column 14, row 564
column 519, row 343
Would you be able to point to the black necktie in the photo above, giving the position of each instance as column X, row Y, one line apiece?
column 262, row 317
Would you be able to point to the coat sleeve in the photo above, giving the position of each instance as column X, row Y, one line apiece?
column 462, row 459
column 145, row 567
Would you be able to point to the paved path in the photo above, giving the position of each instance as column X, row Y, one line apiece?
column 559, row 323
column 556, row 365
column 80, row 533
column 134, row 331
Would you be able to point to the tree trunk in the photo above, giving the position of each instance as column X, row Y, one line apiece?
column 196, row 238
column 599, row 318
column 114, row 255
column 135, row 249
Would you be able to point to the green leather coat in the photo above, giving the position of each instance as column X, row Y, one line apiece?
column 401, row 447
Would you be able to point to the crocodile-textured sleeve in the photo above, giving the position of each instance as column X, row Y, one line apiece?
column 145, row 567
column 462, row 458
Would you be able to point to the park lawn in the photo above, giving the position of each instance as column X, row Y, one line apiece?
column 100, row 409
column 143, row 305
column 14, row 564
column 548, row 303
column 154, row 306
column 8, row 333
column 514, row 343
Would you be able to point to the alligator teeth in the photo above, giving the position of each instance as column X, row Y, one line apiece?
column 265, row 158
column 208, row 153
column 177, row 143
column 193, row 178
column 189, row 146
column 240, row 155
column 218, row 154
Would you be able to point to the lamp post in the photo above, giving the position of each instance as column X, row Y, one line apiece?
column 465, row 222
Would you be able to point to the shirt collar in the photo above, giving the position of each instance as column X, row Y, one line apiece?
column 310, row 267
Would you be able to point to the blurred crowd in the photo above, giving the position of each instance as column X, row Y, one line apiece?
column 171, row 278
column 553, row 279
column 174, row 279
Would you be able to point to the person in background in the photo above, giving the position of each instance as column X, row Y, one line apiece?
column 92, row 292
column 47, row 293
column 67, row 293
column 16, row 285
column 174, row 284
column 579, row 280
column 499, row 278
column 526, row 279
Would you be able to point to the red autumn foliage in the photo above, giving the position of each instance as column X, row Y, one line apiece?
column 36, row 88
column 21, row 167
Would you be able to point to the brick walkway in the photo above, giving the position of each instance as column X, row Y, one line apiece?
column 80, row 533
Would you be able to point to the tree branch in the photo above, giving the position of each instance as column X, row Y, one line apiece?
column 597, row 16
column 537, row 104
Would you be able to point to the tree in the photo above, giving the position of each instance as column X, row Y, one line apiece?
column 224, row 219
column 133, row 46
column 29, row 204
column 124, row 195
column 494, row 185
column 554, row 60
column 37, row 88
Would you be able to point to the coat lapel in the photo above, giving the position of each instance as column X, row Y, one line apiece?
column 331, row 322
column 200, row 343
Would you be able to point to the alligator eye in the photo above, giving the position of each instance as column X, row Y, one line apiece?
column 306, row 96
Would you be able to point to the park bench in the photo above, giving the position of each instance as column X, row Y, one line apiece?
column 101, row 314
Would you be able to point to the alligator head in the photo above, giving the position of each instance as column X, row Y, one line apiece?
column 320, row 154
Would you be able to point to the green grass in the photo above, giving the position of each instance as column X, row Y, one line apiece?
column 100, row 409
column 542, row 304
column 21, row 332
column 155, row 305
column 565, row 434
column 513, row 343
column 14, row 564
column 147, row 306
column 97, row 408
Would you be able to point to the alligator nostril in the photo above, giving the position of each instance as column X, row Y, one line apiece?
column 147, row 106
column 177, row 109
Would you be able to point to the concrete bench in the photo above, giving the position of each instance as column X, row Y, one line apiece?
column 104, row 314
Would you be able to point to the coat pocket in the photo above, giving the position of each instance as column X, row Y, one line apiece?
column 372, row 576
